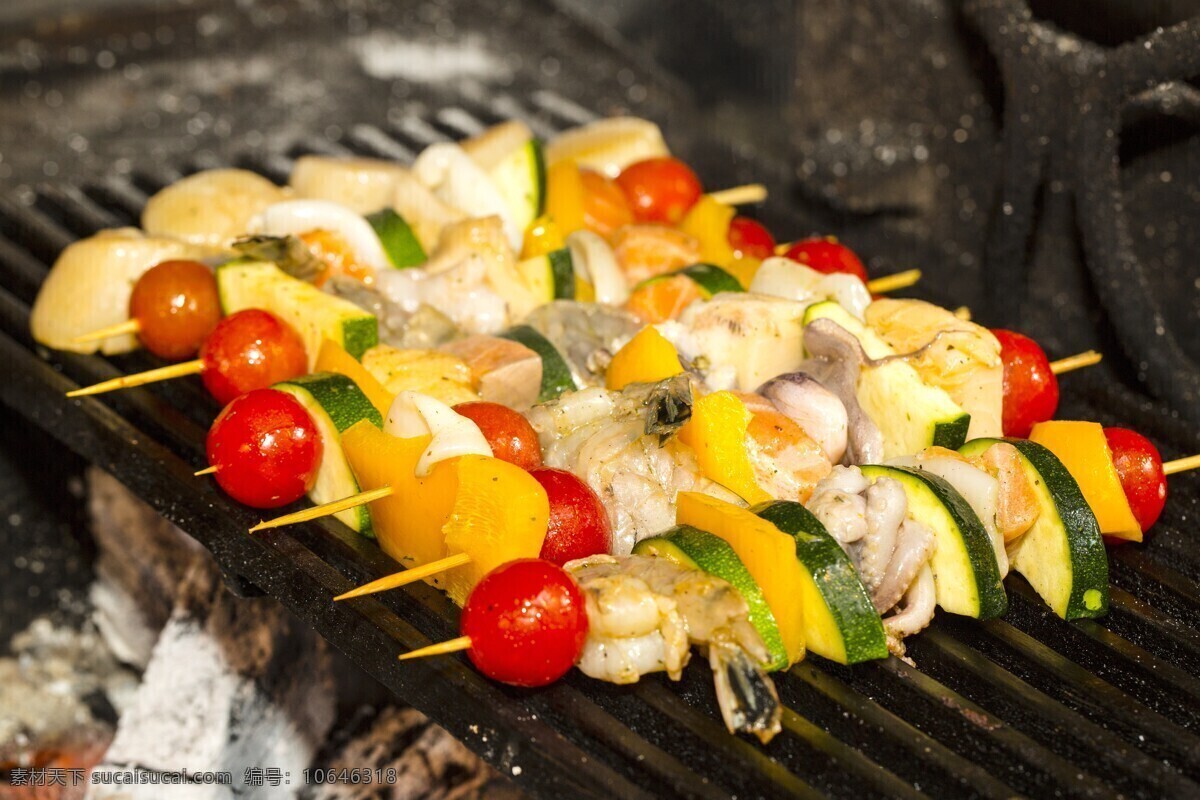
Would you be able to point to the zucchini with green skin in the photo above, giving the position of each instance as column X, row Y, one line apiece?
column 335, row 403
column 709, row 278
column 397, row 238
column 910, row 413
column 1062, row 555
column 551, row 276
column 966, row 574
column 697, row 549
column 520, row 178
column 556, row 375
column 840, row 621
column 314, row 314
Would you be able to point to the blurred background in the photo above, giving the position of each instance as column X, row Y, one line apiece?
column 1039, row 161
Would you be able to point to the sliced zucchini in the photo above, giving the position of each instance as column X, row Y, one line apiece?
column 551, row 276
column 315, row 315
column 335, row 403
column 709, row 278
column 910, row 413
column 1062, row 555
column 840, row 622
column 520, row 177
column 556, row 375
column 399, row 241
column 965, row 572
column 692, row 547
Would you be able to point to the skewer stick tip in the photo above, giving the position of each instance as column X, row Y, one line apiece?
column 141, row 378
column 1182, row 465
column 325, row 509
column 109, row 331
column 1078, row 361
column 405, row 577
column 894, row 282
column 441, row 648
column 741, row 195
column 205, row 471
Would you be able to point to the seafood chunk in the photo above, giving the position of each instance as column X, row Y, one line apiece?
column 801, row 398
column 891, row 550
column 364, row 185
column 747, row 339
column 646, row 250
column 586, row 334
column 622, row 445
column 211, row 208
column 504, row 371
column 837, row 359
column 645, row 612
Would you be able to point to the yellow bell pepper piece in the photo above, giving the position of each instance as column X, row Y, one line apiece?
column 484, row 507
column 646, row 358
column 717, row 432
column 332, row 357
column 564, row 197
column 708, row 220
column 743, row 268
column 768, row 553
column 500, row 514
column 1083, row 450
column 408, row 523
column 541, row 237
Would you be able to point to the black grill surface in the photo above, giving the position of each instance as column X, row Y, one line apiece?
column 1028, row 705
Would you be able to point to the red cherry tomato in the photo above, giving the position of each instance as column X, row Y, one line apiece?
column 750, row 239
column 266, row 449
column 826, row 254
column 510, row 435
column 177, row 306
column 1030, row 388
column 660, row 189
column 579, row 525
column 1139, row 466
column 250, row 349
column 527, row 622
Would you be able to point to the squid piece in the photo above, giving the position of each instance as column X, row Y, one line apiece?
column 821, row 413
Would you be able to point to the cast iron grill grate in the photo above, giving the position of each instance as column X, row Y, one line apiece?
column 1025, row 705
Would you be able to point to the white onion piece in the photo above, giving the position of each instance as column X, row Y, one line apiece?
column 414, row 414
column 455, row 178
column 596, row 263
column 978, row 488
column 782, row 277
column 294, row 217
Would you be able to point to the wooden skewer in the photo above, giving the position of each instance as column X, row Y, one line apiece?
column 205, row 471
column 119, row 329
column 441, row 648
column 1077, row 361
column 963, row 313
column 142, row 378
column 893, row 282
column 741, row 195
column 405, row 577
column 1182, row 465
column 325, row 509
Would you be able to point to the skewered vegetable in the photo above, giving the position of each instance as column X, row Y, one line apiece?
column 1140, row 468
column 660, row 189
column 1030, row 388
column 578, row 526
column 266, row 449
column 527, row 623
column 334, row 403
column 1082, row 447
column 826, row 254
column 509, row 435
column 1062, row 556
column 250, row 349
column 647, row 358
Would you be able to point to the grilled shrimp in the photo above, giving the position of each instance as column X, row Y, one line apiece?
column 621, row 444
column 787, row 462
column 890, row 549
column 587, row 334
column 644, row 613
column 646, row 250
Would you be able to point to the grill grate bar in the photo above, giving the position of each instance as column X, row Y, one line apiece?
column 1042, row 717
column 372, row 141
